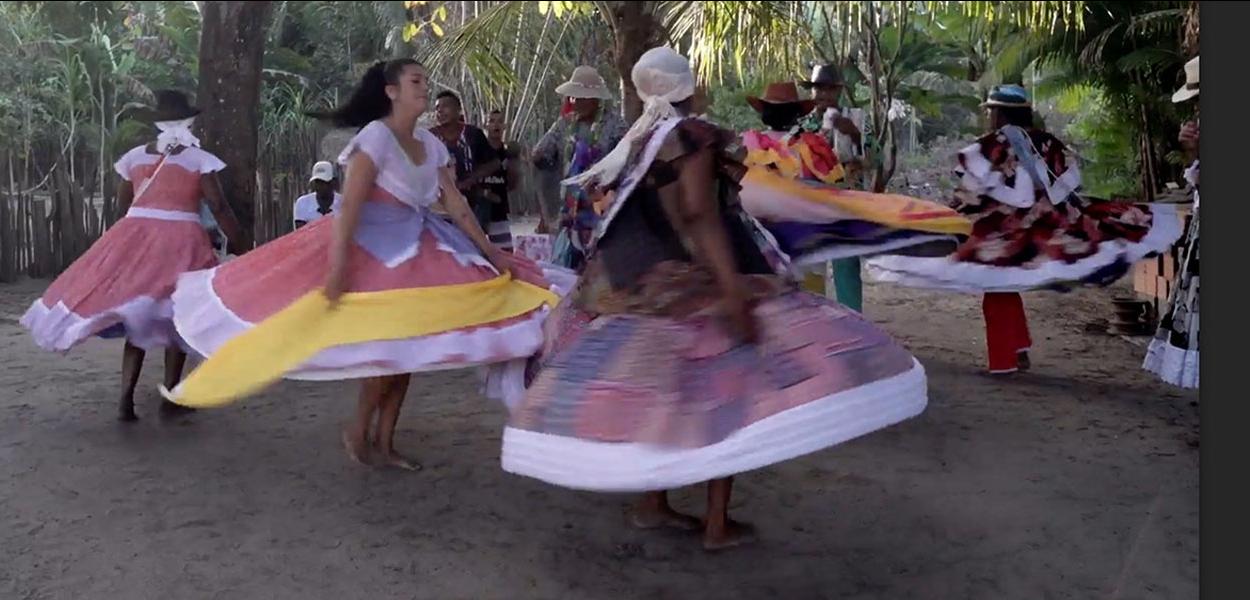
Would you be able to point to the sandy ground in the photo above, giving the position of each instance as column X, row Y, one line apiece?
column 1078, row 480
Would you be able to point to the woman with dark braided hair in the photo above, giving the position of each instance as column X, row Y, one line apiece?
column 379, row 290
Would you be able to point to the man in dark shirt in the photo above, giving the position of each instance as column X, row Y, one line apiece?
column 498, row 183
column 475, row 159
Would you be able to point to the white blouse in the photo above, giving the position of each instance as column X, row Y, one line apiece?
column 414, row 185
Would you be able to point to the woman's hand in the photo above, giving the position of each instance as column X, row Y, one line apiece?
column 1189, row 136
column 499, row 259
column 742, row 321
column 336, row 284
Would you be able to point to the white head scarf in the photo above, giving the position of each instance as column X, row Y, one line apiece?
column 662, row 78
column 175, row 133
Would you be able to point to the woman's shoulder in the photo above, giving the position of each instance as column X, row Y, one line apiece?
column 426, row 136
column 692, row 134
column 434, row 146
column 371, row 139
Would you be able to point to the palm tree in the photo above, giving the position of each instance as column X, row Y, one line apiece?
column 771, row 37
column 1132, row 52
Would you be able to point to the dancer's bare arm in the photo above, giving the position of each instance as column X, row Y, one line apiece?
column 361, row 173
column 457, row 208
column 700, row 218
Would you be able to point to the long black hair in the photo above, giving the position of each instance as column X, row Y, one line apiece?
column 368, row 101
column 1020, row 116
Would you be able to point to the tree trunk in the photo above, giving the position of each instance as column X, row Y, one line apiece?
column 637, row 30
column 232, row 47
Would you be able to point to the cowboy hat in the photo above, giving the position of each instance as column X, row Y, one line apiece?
column 824, row 76
column 585, row 83
column 1190, row 89
column 1008, row 96
column 781, row 93
column 171, row 105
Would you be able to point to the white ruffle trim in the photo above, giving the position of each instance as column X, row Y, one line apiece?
column 849, row 250
column 148, row 323
column 1173, row 365
column 629, row 467
column 206, row 324
column 948, row 274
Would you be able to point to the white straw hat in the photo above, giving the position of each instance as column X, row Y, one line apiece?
column 585, row 83
column 1191, row 82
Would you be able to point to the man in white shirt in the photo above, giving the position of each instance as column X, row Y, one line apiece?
column 322, row 201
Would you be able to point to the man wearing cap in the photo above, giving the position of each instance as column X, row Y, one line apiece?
column 322, row 201
column 585, row 132
column 846, row 137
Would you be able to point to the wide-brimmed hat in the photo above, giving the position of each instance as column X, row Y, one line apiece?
column 1190, row 89
column 1008, row 96
column 824, row 76
column 785, row 92
column 585, row 83
column 171, row 105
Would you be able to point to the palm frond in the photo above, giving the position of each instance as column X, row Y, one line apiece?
column 767, row 36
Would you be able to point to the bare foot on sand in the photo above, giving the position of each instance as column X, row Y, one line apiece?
column 126, row 411
column 356, row 448
column 664, row 518
column 732, row 535
column 394, row 459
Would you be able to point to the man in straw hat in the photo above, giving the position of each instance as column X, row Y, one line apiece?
column 1189, row 131
column 780, row 105
column 1173, row 354
column 584, row 133
column 844, row 130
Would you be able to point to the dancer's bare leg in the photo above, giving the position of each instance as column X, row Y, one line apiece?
column 388, row 418
column 721, row 532
column 132, row 365
column 653, row 512
column 175, row 361
column 356, row 435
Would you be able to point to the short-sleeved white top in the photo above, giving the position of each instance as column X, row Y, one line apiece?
column 414, row 185
column 305, row 208
column 192, row 159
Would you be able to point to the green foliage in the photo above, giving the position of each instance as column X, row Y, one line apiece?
column 1106, row 143
column 728, row 108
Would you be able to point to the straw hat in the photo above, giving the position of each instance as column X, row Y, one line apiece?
column 781, row 93
column 585, row 83
column 1190, row 90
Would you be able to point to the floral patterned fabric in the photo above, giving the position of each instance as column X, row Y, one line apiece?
column 1067, row 228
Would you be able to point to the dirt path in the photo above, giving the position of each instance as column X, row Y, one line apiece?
column 1078, row 480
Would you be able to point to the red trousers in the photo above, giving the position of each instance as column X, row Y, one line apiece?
column 1006, row 330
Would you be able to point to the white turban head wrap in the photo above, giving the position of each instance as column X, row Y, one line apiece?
column 174, row 134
